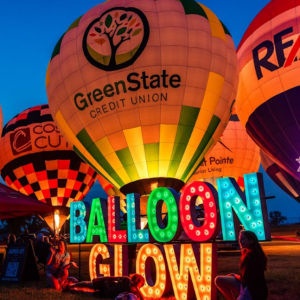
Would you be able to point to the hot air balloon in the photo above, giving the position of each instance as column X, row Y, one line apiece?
column 283, row 179
column 110, row 190
column 36, row 160
column 268, row 96
column 233, row 156
column 143, row 89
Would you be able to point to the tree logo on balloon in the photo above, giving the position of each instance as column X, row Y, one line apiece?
column 116, row 39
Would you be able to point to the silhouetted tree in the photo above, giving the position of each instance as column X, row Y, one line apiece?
column 18, row 225
column 275, row 218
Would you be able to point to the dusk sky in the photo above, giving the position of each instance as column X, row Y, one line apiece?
column 30, row 30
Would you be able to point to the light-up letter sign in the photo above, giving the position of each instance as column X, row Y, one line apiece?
column 191, row 263
column 161, row 285
column 191, row 225
column 154, row 207
column 115, row 235
column 99, row 214
column 135, row 234
column 251, row 210
column 97, row 254
column 121, row 260
column 77, row 222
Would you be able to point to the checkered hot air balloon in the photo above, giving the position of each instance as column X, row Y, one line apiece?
column 233, row 156
column 143, row 89
column 36, row 160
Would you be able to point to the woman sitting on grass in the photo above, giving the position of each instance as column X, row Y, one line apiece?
column 58, row 261
column 110, row 287
column 251, row 284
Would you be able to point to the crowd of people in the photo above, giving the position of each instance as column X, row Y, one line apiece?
column 41, row 244
column 250, row 284
column 23, row 238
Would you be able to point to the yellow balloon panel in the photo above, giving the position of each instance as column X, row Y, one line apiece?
column 233, row 156
column 143, row 91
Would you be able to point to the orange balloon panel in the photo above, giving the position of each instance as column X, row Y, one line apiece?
column 233, row 156
column 268, row 96
column 265, row 68
column 143, row 89
column 36, row 160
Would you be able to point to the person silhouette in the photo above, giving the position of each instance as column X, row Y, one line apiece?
column 251, row 284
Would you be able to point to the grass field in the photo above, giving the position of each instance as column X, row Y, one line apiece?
column 283, row 276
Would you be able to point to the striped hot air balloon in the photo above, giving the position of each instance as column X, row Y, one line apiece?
column 268, row 96
column 143, row 89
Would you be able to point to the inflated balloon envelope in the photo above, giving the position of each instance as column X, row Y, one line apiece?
column 143, row 89
column 268, row 95
column 36, row 160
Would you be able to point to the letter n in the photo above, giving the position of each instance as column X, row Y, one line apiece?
column 251, row 209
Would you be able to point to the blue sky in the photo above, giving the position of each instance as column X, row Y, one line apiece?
column 30, row 29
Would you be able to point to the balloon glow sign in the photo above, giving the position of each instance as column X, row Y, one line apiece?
column 180, row 266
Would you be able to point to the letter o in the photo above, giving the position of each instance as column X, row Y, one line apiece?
column 52, row 128
column 143, row 267
column 189, row 221
column 156, row 226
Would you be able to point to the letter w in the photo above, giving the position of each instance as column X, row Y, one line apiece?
column 201, row 268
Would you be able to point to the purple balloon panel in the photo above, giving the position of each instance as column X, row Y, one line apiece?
column 274, row 126
column 283, row 179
